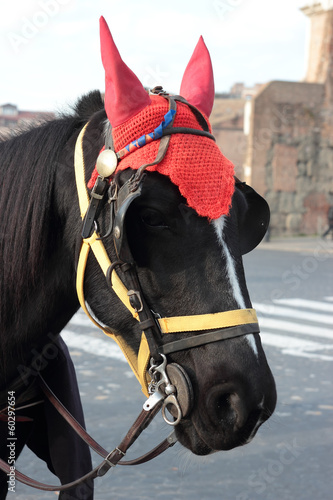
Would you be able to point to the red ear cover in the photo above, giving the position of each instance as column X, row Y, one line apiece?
column 198, row 81
column 125, row 95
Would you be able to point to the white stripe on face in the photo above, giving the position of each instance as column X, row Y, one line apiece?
column 232, row 275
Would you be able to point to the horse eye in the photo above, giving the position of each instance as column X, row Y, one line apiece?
column 152, row 218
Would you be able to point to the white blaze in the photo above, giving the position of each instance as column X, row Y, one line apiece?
column 232, row 275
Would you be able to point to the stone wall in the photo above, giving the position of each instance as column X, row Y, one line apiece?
column 227, row 120
column 290, row 155
column 232, row 143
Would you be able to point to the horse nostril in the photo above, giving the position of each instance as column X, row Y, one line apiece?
column 225, row 407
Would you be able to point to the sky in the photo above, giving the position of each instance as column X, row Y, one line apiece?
column 50, row 53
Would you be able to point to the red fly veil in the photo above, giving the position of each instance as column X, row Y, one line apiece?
column 194, row 163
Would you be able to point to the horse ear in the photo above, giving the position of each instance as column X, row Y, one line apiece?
column 125, row 95
column 198, row 80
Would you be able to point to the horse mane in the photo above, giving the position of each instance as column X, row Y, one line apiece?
column 28, row 163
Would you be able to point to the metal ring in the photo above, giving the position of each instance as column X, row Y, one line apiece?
column 171, row 400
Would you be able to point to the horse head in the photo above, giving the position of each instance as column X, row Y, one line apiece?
column 175, row 227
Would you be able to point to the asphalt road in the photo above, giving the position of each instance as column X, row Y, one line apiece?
column 291, row 285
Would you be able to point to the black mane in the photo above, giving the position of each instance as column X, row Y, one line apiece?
column 28, row 164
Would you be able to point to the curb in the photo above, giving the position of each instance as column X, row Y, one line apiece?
column 301, row 244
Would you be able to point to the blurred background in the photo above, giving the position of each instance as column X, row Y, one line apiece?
column 273, row 78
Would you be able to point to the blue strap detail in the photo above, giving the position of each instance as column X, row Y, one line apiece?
column 168, row 117
column 158, row 131
column 157, row 134
column 142, row 141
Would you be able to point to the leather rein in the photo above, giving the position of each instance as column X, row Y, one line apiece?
column 166, row 385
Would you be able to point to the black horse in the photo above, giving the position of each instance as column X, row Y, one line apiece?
column 185, row 264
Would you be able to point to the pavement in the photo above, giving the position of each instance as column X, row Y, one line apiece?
column 303, row 244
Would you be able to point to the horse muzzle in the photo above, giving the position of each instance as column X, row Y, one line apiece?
column 228, row 409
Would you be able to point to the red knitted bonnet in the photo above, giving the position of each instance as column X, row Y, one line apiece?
column 194, row 163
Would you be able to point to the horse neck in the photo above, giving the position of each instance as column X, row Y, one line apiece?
column 38, row 248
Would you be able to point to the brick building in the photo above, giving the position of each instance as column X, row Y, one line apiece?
column 289, row 152
column 227, row 121
column 12, row 118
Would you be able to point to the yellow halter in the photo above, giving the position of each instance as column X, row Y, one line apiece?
column 138, row 361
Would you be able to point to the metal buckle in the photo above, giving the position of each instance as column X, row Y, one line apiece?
column 154, row 399
column 107, row 464
column 158, row 90
column 135, row 300
column 169, row 393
